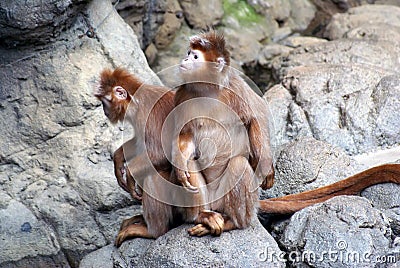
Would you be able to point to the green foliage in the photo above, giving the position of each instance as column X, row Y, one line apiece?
column 241, row 11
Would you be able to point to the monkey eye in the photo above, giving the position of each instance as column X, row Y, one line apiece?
column 188, row 53
column 195, row 57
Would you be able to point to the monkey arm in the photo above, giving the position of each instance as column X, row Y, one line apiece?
column 351, row 186
column 183, row 149
column 119, row 158
column 260, row 154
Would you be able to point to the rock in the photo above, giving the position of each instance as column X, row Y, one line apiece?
column 302, row 12
column 25, row 240
column 342, row 107
column 298, row 41
column 99, row 258
column 110, row 221
column 166, row 33
column 238, row 248
column 246, row 31
column 145, row 17
column 306, row 164
column 294, row 14
column 357, row 16
column 381, row 55
column 56, row 143
column 347, row 227
column 386, row 198
column 200, row 15
column 375, row 31
column 25, row 23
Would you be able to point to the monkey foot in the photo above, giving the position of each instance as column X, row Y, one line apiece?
column 133, row 220
column 132, row 231
column 199, row 230
column 210, row 220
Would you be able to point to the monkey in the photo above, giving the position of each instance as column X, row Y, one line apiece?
column 215, row 107
column 145, row 110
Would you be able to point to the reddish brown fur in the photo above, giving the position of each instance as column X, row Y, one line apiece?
column 351, row 186
column 237, row 207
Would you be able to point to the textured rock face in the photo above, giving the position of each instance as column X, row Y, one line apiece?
column 307, row 164
column 362, row 16
column 354, row 233
column 56, row 143
column 27, row 22
column 240, row 248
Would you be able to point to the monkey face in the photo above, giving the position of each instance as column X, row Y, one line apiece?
column 196, row 67
column 193, row 61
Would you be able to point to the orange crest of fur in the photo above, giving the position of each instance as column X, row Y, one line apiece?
column 212, row 44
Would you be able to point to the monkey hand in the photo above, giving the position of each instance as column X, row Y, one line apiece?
column 183, row 177
column 133, row 188
column 208, row 222
column 119, row 168
column 269, row 179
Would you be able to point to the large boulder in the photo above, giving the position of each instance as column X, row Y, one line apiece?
column 306, row 164
column 56, row 143
column 40, row 22
column 344, row 231
column 342, row 23
column 239, row 248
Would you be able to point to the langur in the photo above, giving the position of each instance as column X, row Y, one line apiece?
column 146, row 110
column 222, row 127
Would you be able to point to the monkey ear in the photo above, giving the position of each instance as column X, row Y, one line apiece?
column 120, row 93
column 220, row 64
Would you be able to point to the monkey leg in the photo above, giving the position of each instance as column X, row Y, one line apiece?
column 352, row 185
column 133, row 220
column 132, row 231
column 238, row 205
column 157, row 216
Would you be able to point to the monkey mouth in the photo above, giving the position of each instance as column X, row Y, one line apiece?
column 182, row 67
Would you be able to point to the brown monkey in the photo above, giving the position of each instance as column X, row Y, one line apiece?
column 221, row 125
column 145, row 110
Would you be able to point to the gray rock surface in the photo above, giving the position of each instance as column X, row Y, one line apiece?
column 239, row 248
column 306, row 164
column 56, row 143
column 201, row 16
column 344, row 231
column 358, row 16
column 27, row 22
column 339, row 104
column 386, row 197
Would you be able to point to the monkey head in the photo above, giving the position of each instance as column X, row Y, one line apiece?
column 207, row 58
column 115, row 91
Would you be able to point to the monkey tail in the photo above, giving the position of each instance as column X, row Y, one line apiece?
column 350, row 186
